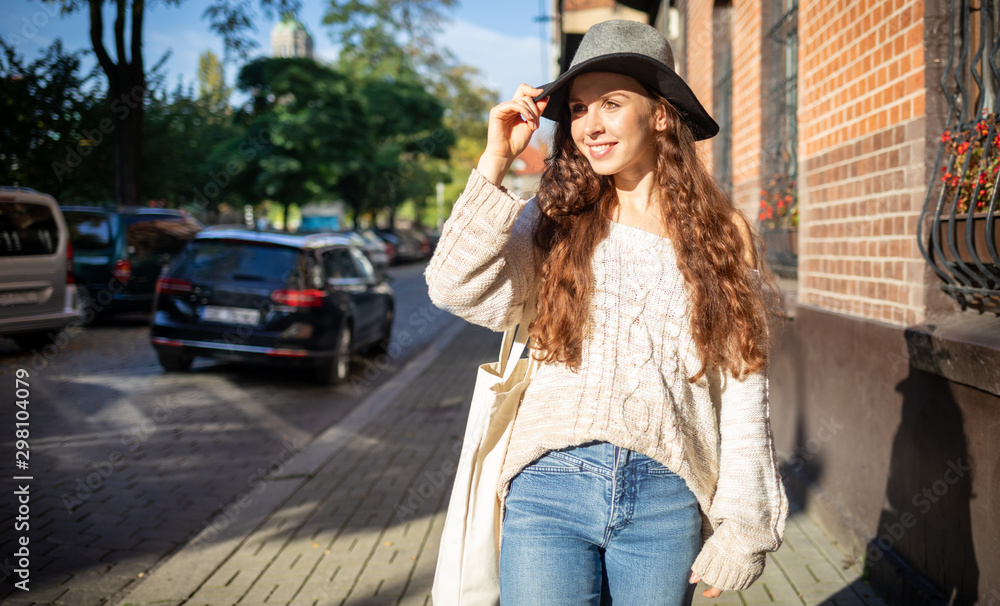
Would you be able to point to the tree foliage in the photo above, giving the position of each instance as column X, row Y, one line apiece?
column 54, row 126
column 212, row 88
column 331, row 135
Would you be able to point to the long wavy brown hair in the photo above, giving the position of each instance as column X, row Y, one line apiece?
column 731, row 317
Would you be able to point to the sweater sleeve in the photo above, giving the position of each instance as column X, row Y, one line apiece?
column 484, row 264
column 750, row 506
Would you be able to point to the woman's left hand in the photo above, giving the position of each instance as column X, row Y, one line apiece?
column 708, row 593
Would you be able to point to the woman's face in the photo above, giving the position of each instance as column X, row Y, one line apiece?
column 612, row 124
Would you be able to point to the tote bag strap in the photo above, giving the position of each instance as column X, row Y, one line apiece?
column 515, row 339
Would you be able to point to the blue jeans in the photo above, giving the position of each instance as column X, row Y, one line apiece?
column 595, row 525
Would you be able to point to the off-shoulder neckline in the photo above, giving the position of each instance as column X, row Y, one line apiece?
column 646, row 233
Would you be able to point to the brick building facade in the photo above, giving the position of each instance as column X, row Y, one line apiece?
column 842, row 100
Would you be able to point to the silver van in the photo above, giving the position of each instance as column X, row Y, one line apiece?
column 38, row 296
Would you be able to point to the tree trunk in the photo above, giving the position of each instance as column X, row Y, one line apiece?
column 126, row 94
column 128, row 143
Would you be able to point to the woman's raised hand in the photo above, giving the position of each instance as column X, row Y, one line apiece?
column 511, row 125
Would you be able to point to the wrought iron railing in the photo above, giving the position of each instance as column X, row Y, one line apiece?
column 962, row 196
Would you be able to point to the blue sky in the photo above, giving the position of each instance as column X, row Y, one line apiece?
column 503, row 41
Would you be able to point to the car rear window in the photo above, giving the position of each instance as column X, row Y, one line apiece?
column 229, row 261
column 88, row 230
column 27, row 228
column 159, row 234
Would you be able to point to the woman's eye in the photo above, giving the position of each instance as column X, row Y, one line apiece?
column 610, row 104
column 577, row 108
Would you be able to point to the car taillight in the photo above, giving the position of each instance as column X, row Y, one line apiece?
column 70, row 278
column 172, row 286
column 310, row 297
column 122, row 271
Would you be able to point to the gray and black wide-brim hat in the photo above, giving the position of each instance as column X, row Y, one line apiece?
column 637, row 50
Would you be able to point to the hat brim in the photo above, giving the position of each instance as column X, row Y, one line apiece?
column 646, row 70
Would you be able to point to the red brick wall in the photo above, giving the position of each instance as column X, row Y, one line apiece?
column 861, row 157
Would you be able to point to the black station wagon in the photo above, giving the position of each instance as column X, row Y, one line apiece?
column 298, row 300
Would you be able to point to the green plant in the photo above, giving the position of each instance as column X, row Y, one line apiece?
column 779, row 203
column 976, row 183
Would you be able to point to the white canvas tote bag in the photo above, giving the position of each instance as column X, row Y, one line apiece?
column 468, row 565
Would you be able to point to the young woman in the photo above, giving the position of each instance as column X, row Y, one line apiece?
column 641, row 459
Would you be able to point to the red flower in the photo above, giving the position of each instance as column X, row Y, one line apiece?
column 946, row 136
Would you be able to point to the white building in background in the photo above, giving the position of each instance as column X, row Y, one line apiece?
column 289, row 38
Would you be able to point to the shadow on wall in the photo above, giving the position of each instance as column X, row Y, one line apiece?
column 925, row 519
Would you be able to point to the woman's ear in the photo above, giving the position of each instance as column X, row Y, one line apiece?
column 660, row 118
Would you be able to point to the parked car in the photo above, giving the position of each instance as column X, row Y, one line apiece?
column 375, row 249
column 310, row 301
column 411, row 245
column 389, row 242
column 38, row 294
column 121, row 252
column 423, row 242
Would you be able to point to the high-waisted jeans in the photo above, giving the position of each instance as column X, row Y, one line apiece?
column 595, row 525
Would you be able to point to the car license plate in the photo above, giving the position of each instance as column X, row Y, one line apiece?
column 230, row 315
column 27, row 297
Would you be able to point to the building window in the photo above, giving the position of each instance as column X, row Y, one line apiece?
column 722, row 93
column 779, row 199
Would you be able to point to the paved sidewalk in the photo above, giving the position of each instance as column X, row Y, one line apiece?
column 355, row 517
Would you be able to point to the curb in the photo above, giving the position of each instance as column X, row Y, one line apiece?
column 183, row 573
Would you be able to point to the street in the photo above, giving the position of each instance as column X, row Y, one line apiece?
column 127, row 462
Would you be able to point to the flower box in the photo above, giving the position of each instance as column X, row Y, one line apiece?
column 782, row 241
column 979, row 222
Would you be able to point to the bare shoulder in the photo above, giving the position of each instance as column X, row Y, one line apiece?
column 744, row 227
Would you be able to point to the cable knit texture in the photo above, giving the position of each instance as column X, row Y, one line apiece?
column 631, row 389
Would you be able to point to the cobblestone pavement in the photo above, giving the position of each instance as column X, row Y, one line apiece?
column 129, row 463
column 358, row 522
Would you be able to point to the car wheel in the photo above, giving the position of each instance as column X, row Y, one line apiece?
column 175, row 361
column 31, row 341
column 338, row 368
column 382, row 346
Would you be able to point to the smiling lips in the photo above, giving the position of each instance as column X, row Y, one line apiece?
column 600, row 150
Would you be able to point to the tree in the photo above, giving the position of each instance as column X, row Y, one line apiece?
column 312, row 124
column 406, row 129
column 52, row 119
column 126, row 74
column 212, row 88
column 392, row 40
column 181, row 130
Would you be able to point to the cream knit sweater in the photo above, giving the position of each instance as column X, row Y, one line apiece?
column 631, row 389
